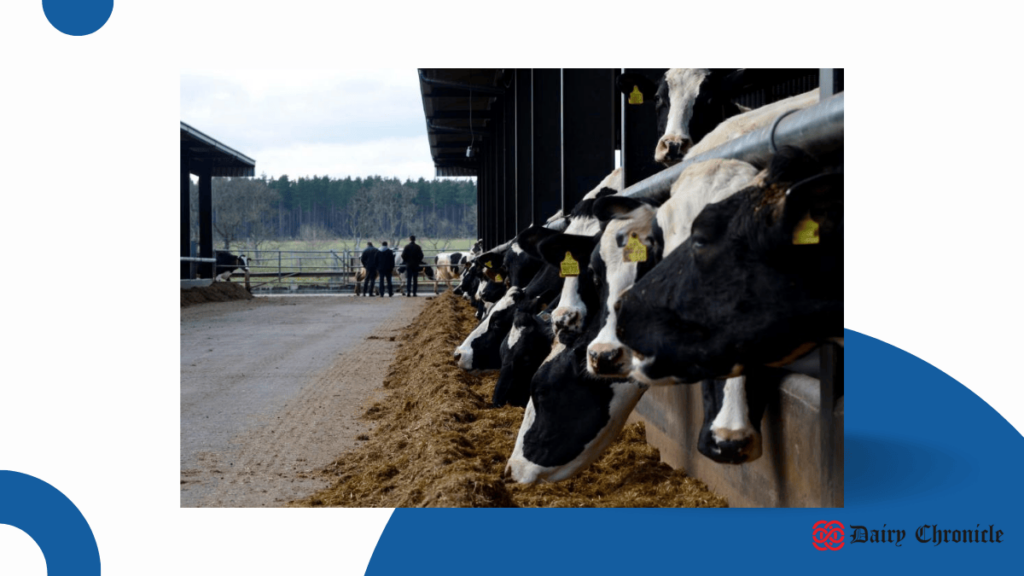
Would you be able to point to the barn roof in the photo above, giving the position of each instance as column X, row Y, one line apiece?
column 448, row 96
column 226, row 161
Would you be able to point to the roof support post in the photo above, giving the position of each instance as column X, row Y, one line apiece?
column 205, row 219
column 508, row 130
column 588, row 131
column 523, row 150
column 547, row 137
column 186, row 215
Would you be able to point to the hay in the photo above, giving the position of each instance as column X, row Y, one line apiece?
column 437, row 441
column 216, row 292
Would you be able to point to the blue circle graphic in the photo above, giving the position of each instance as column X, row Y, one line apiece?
column 53, row 521
column 924, row 457
column 78, row 17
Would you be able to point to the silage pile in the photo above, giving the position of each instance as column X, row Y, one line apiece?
column 216, row 292
column 437, row 441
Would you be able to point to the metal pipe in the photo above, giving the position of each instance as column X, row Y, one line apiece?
column 193, row 259
column 488, row 90
column 818, row 128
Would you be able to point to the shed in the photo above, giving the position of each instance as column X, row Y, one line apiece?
column 205, row 157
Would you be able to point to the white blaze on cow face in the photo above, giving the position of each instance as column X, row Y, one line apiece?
column 683, row 87
column 732, row 423
column 606, row 355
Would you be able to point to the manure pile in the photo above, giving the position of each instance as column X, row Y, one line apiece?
column 437, row 441
column 216, row 292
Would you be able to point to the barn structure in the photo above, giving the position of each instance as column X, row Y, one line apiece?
column 204, row 157
column 538, row 139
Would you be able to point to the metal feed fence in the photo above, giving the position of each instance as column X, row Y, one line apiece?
column 286, row 271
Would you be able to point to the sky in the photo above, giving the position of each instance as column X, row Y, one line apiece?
column 314, row 122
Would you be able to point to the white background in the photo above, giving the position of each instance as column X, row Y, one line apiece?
column 89, row 397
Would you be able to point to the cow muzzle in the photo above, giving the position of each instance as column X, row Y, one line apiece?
column 607, row 360
column 671, row 149
column 730, row 448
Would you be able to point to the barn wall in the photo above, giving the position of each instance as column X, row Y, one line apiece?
column 788, row 472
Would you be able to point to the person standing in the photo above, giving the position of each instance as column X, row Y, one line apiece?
column 412, row 256
column 369, row 260
column 385, row 265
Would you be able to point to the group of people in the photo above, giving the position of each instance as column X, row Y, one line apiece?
column 382, row 261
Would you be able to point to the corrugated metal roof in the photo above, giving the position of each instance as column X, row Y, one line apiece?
column 446, row 106
column 226, row 161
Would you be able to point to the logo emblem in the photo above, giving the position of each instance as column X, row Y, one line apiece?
column 828, row 535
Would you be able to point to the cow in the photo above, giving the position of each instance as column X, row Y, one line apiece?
column 689, row 103
column 571, row 416
column 401, row 268
column 228, row 264
column 482, row 348
column 758, row 282
column 448, row 266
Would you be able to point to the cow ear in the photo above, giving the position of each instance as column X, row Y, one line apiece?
column 529, row 239
column 491, row 260
column 613, row 207
column 814, row 210
column 554, row 249
column 626, row 82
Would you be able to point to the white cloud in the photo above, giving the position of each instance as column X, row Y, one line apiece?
column 305, row 122
column 395, row 157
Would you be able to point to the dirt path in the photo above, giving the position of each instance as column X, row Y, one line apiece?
column 272, row 388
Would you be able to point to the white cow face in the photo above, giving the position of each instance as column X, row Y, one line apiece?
column 628, row 220
column 681, row 87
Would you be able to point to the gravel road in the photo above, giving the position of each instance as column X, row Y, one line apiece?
column 272, row 388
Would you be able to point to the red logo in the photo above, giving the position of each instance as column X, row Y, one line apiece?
column 829, row 535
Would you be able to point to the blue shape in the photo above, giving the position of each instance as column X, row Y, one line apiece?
column 78, row 17
column 921, row 449
column 53, row 521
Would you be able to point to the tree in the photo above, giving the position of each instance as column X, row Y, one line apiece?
column 241, row 210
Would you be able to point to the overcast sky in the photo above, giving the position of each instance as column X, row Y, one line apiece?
column 314, row 122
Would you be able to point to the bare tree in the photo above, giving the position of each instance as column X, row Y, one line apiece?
column 315, row 235
column 241, row 208
column 381, row 210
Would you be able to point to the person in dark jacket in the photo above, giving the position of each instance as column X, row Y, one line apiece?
column 385, row 265
column 412, row 256
column 369, row 260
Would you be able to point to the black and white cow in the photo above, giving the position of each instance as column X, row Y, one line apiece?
column 689, row 103
column 758, row 282
column 482, row 348
column 449, row 265
column 571, row 417
column 228, row 264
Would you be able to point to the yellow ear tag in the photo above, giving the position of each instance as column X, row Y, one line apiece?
column 498, row 278
column 635, row 97
column 569, row 267
column 487, row 263
column 806, row 231
column 635, row 251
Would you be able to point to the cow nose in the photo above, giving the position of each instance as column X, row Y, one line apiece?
column 458, row 356
column 604, row 361
column 671, row 149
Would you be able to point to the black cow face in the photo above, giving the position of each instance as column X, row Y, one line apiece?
column 570, row 420
column 522, row 352
column 757, row 282
column 481, row 351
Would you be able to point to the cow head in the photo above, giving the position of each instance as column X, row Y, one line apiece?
column 522, row 352
column 690, row 102
column 628, row 222
column 570, row 419
column 758, row 281
column 570, row 255
column 481, row 350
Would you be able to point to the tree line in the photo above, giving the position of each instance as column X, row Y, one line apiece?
column 251, row 211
